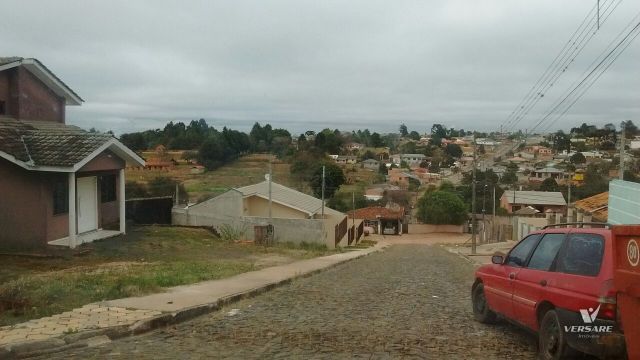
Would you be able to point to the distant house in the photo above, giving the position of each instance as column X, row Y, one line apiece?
column 371, row 164
column 160, row 160
column 60, row 185
column 295, row 216
column 354, row 146
column 374, row 194
column 344, row 160
column 542, row 201
column 381, row 220
column 540, row 175
column 412, row 159
column 537, row 152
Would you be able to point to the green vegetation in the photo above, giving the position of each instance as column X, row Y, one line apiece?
column 146, row 260
column 441, row 207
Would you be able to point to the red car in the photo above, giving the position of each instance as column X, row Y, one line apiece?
column 558, row 283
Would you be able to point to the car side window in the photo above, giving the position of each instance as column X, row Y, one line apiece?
column 546, row 252
column 518, row 255
column 582, row 255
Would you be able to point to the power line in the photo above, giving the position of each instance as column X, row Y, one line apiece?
column 557, row 68
column 593, row 75
column 531, row 91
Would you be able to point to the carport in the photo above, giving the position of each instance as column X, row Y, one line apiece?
column 383, row 220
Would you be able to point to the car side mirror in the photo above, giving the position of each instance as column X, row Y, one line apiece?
column 497, row 259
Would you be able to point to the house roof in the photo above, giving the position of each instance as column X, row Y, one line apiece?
column 597, row 205
column 52, row 146
column 535, row 197
column 287, row 196
column 371, row 161
column 45, row 75
column 550, row 170
column 376, row 212
column 527, row 210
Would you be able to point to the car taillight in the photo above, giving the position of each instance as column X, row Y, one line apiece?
column 608, row 301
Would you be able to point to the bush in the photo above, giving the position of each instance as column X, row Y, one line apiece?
column 441, row 207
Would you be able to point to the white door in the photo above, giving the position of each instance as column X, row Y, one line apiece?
column 87, row 188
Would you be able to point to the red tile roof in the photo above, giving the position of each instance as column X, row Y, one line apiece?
column 375, row 212
column 597, row 205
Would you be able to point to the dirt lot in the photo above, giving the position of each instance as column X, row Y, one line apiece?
column 144, row 261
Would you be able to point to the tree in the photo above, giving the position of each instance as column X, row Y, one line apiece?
column 453, row 150
column 403, row 130
column 578, row 158
column 441, row 207
column 439, row 131
column 376, row 140
column 549, row 184
column 561, row 141
column 334, row 177
column 414, row 135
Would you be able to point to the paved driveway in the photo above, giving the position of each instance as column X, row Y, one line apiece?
column 408, row 301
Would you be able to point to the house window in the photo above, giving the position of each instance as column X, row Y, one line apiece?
column 108, row 188
column 60, row 197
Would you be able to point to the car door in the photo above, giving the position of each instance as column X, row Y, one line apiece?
column 498, row 286
column 531, row 281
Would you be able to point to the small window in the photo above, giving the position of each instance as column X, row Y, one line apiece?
column 519, row 254
column 546, row 252
column 582, row 255
column 60, row 197
column 108, row 188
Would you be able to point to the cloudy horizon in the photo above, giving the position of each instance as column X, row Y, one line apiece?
column 311, row 65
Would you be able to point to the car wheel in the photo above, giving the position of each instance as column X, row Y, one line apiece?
column 481, row 310
column 552, row 343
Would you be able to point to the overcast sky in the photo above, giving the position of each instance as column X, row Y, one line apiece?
column 315, row 64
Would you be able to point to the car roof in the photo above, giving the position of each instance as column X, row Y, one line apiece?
column 560, row 230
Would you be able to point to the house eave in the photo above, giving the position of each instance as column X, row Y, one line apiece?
column 48, row 78
column 114, row 145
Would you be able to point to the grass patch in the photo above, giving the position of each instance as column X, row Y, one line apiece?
column 144, row 261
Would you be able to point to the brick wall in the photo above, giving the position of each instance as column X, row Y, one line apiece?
column 26, row 97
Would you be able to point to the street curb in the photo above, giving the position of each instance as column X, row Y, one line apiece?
column 82, row 339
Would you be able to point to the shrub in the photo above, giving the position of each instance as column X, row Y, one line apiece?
column 441, row 207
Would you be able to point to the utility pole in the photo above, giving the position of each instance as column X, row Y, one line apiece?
column 353, row 216
column 621, row 175
column 569, row 195
column 270, row 202
column 484, row 211
column 177, row 195
column 493, row 217
column 473, row 199
column 323, row 191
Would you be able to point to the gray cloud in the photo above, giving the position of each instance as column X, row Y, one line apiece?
column 315, row 64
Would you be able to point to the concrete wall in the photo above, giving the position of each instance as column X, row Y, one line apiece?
column 285, row 230
column 231, row 209
column 429, row 228
column 525, row 225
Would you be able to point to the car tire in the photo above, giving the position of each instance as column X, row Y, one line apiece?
column 552, row 343
column 481, row 310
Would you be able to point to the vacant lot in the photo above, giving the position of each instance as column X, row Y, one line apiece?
column 144, row 261
column 247, row 170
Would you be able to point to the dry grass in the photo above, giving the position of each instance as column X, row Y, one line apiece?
column 144, row 261
column 247, row 170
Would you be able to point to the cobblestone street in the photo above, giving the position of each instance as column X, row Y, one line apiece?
column 407, row 301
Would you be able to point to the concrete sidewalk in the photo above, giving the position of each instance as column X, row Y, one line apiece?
column 98, row 323
column 483, row 252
